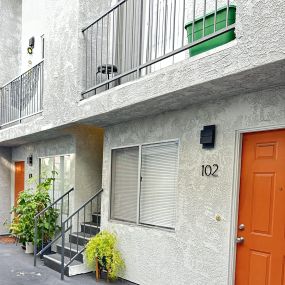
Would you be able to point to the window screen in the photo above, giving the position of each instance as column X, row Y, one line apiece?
column 158, row 184
column 125, row 184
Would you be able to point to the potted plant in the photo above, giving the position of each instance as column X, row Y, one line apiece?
column 47, row 223
column 23, row 222
column 28, row 205
column 103, row 254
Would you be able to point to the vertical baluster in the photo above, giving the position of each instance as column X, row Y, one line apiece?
column 62, row 250
column 133, row 29
column 35, row 241
column 101, row 60
column 204, row 17
column 68, row 204
column 215, row 16
column 84, row 223
column 70, row 231
column 165, row 26
column 148, row 36
column 42, row 237
column 77, row 231
column 157, row 27
column 174, row 26
column 140, row 13
column 227, row 18
column 125, row 28
column 113, row 39
column 61, row 211
column 193, row 22
column 96, row 60
column 91, row 56
column 107, row 49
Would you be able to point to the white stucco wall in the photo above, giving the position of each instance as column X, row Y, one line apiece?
column 33, row 25
column 84, row 144
column 214, row 74
column 198, row 252
column 5, row 185
column 10, row 43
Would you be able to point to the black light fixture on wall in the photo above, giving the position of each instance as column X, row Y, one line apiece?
column 31, row 45
column 207, row 136
column 30, row 160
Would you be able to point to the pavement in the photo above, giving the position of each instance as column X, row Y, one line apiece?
column 16, row 268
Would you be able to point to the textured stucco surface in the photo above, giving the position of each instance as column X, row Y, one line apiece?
column 5, row 186
column 10, row 44
column 198, row 252
column 84, row 144
column 88, row 164
column 233, row 69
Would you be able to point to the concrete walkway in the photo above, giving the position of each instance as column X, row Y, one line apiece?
column 16, row 268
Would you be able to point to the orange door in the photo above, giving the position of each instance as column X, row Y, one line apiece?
column 261, row 220
column 19, row 179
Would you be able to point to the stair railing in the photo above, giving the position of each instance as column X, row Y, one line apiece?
column 93, row 205
column 62, row 204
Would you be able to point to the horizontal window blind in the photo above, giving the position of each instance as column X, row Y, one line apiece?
column 125, row 184
column 158, row 184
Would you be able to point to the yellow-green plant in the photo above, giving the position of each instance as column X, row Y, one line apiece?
column 104, row 247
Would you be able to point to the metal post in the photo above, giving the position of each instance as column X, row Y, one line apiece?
column 35, row 241
column 62, row 250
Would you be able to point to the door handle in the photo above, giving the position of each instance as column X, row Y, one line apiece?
column 240, row 240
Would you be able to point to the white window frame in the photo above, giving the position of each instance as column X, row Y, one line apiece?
column 137, row 223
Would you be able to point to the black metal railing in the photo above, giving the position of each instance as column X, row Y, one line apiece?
column 78, row 237
column 22, row 97
column 60, row 207
column 137, row 37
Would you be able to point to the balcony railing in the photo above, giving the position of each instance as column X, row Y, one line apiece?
column 137, row 37
column 22, row 97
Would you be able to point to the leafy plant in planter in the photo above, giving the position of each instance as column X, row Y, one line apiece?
column 101, row 251
column 28, row 205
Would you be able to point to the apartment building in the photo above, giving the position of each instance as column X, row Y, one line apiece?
column 174, row 108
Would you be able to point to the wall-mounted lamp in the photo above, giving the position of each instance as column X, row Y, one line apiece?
column 31, row 45
column 30, row 160
column 207, row 136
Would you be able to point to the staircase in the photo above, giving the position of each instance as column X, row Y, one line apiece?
column 74, row 248
column 76, row 229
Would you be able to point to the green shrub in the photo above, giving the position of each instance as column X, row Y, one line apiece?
column 104, row 247
column 29, row 204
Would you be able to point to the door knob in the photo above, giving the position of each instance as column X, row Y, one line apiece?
column 239, row 239
column 241, row 227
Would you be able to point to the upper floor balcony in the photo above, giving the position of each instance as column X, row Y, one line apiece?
column 135, row 38
column 22, row 97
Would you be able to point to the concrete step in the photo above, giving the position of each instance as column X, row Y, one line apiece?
column 53, row 261
column 70, row 250
column 90, row 228
column 79, row 238
column 96, row 218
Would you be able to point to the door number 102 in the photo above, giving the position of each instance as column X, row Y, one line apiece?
column 210, row 170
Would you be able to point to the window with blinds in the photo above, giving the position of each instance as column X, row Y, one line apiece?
column 125, row 175
column 150, row 178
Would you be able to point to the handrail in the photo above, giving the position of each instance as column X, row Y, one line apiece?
column 105, row 14
column 134, row 38
column 87, row 202
column 36, row 218
column 68, row 221
column 51, row 205
column 15, row 78
column 22, row 97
